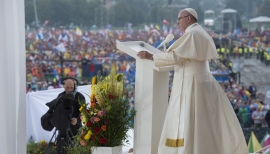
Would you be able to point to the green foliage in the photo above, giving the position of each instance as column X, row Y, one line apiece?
column 29, row 12
column 236, row 5
column 93, row 12
column 106, row 118
column 265, row 11
column 200, row 14
column 122, row 13
column 35, row 147
column 194, row 3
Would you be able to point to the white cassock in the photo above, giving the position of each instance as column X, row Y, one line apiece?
column 200, row 118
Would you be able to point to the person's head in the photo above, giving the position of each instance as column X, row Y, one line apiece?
column 186, row 18
column 69, row 85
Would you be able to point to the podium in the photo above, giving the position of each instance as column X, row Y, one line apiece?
column 151, row 97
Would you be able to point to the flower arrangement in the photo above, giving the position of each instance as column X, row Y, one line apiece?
column 107, row 117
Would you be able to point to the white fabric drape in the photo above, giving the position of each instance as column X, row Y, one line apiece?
column 35, row 108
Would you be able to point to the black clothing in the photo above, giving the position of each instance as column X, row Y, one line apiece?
column 76, row 111
column 63, row 109
column 267, row 118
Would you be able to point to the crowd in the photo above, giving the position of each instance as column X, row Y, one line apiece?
column 247, row 102
column 45, row 48
column 245, row 44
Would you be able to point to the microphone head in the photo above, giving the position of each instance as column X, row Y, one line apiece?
column 169, row 37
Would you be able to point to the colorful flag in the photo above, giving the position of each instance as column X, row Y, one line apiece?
column 266, row 142
column 78, row 31
column 146, row 28
column 165, row 22
column 157, row 27
column 60, row 47
column 253, row 143
column 265, row 136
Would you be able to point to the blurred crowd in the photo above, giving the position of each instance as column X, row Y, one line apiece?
column 47, row 48
column 244, row 44
column 247, row 101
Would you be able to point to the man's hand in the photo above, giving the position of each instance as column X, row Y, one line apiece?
column 74, row 121
column 145, row 55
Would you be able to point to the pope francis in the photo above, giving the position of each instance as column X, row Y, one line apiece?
column 199, row 119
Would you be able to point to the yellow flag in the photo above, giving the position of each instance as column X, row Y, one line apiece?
column 157, row 27
column 78, row 31
column 253, row 143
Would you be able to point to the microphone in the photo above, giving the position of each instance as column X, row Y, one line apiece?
column 167, row 39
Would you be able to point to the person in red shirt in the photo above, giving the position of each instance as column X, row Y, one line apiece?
column 92, row 70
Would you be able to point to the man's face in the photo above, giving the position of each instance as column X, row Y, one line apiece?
column 183, row 19
column 69, row 86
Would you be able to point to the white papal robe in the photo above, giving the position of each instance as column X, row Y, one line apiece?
column 200, row 118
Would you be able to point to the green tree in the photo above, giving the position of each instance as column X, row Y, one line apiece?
column 237, row 5
column 62, row 11
column 265, row 11
column 81, row 12
column 139, row 4
column 45, row 10
column 29, row 12
column 194, row 3
column 138, row 17
column 200, row 14
column 97, row 13
column 154, row 14
column 122, row 13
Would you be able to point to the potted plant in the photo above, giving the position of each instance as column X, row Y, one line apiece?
column 106, row 119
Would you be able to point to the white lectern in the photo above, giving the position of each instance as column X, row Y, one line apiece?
column 151, row 97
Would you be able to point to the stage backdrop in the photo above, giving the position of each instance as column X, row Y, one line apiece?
column 35, row 108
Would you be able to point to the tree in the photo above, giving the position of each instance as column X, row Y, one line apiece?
column 265, row 11
column 45, row 10
column 62, row 11
column 93, row 13
column 237, row 5
column 200, row 14
column 138, row 17
column 29, row 12
column 121, row 13
column 154, row 14
column 194, row 3
column 81, row 12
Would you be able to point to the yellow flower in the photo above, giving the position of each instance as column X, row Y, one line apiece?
column 88, row 135
column 92, row 97
column 119, row 77
column 81, row 109
column 93, row 89
column 94, row 80
column 105, row 86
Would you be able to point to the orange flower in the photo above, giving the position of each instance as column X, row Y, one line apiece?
column 93, row 105
column 83, row 142
column 96, row 119
column 103, row 127
column 92, row 97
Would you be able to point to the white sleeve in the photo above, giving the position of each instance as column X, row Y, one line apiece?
column 166, row 59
